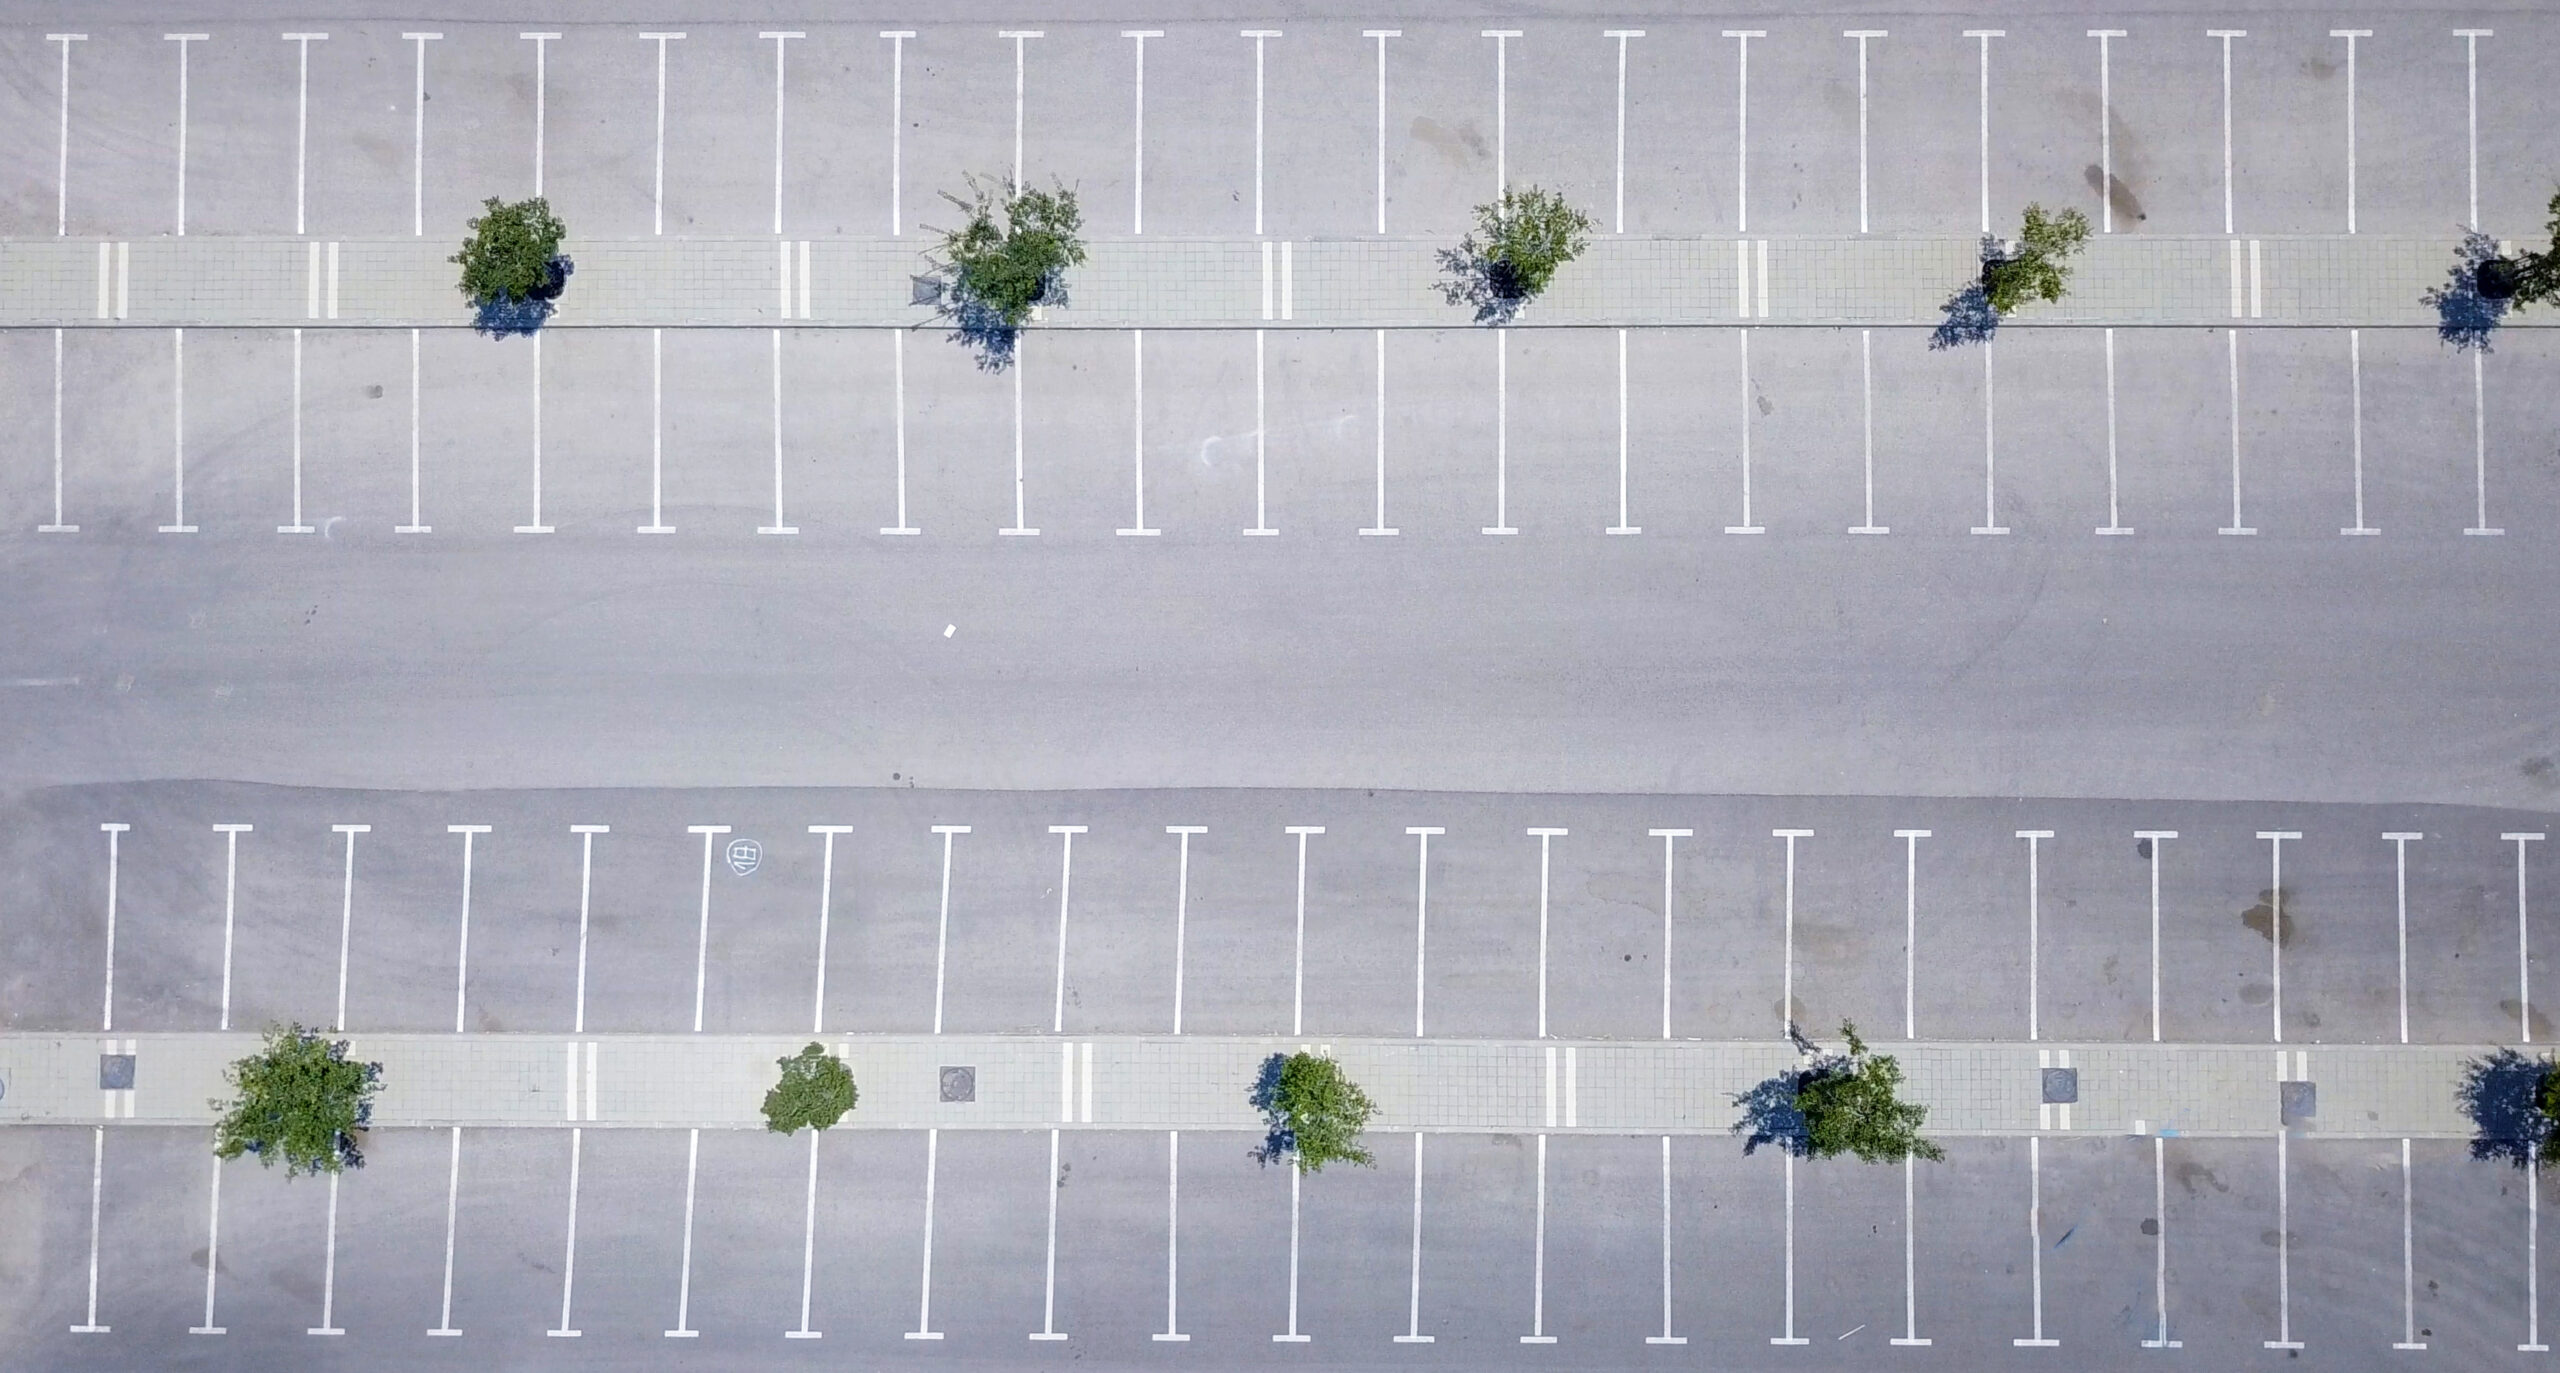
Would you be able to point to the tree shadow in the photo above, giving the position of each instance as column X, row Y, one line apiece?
column 1769, row 1111
column 1491, row 289
column 2464, row 317
column 505, row 316
column 1279, row 1141
column 2498, row 1092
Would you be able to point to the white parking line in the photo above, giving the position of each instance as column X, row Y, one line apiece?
column 1742, row 337
column 2226, row 35
column 1787, row 1156
column 230, row 906
column 1501, row 107
column 97, row 1192
column 1381, row 36
column 924, row 1309
column 1172, row 1332
column 2284, row 1237
column 2034, row 942
column 826, row 902
column 2351, row 35
column 1413, row 1292
column 1983, row 37
column 62, row 165
column 2524, row 975
column 454, row 1192
column 1138, row 430
column 2231, row 340
column 898, row 375
column 942, row 927
column 183, row 40
column 586, row 884
column 1261, row 427
column 2408, row 1261
column 781, row 44
column 2275, row 925
column 178, row 430
column 297, row 527
column 657, row 436
column 777, row 527
column 2355, row 415
column 2479, row 451
column 2471, row 110
column 1546, row 841
column 212, row 1253
column 1538, row 1265
column 1622, row 526
column 1666, row 1337
column 462, row 958
column 1018, row 527
column 1181, row 910
column 569, row 1261
column 302, row 119
column 1501, row 434
column 1860, row 36
column 329, row 1271
column 2106, row 136
column 1910, row 1336
column 537, row 527
column 2160, row 1237
column 418, row 139
column 2151, row 841
column 541, row 101
column 417, row 521
column 1257, row 35
column 1867, row 390
column 1742, row 134
column 702, row 939
column 658, row 165
column 1293, row 1337
column 808, row 1245
column 1066, row 878
column 1421, row 930
column 1668, row 837
column 58, row 526
column 1990, row 414
column 346, row 919
column 1380, row 526
column 1910, row 928
column 1138, row 127
column 1049, row 1268
column 684, row 1279
column 897, row 125
column 1298, row 960
column 2400, row 841
column 1018, row 36
column 2533, row 1273
column 1787, row 960
column 2035, row 1234
column 2115, row 521
column 1618, row 223
column 114, row 830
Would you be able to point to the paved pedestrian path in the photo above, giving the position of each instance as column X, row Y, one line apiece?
column 1199, row 1082
column 1381, row 283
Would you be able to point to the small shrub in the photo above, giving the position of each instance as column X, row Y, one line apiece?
column 301, row 1100
column 1834, row 1104
column 815, row 1091
column 1314, row 1113
column 1518, row 243
column 1010, row 253
column 512, row 270
column 2041, row 268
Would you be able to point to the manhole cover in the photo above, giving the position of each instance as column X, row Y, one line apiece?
column 115, row 1072
column 959, row 1084
column 2299, row 1101
column 2061, row 1086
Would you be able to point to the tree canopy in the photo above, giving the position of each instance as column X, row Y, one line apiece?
column 816, row 1090
column 1011, row 248
column 1314, row 1113
column 301, row 1101
column 2041, row 268
column 1518, row 243
column 1852, row 1105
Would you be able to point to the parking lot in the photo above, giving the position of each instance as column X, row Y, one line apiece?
column 1615, row 967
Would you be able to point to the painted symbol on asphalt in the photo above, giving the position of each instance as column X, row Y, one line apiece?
column 744, row 855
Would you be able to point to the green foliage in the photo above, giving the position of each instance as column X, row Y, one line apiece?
column 1010, row 252
column 2538, row 274
column 2041, row 270
column 1851, row 1105
column 815, row 1091
column 1527, row 234
column 1315, row 1113
column 300, row 1100
column 511, row 252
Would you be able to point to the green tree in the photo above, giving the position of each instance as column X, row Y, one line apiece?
column 1314, row 1113
column 1518, row 243
column 2537, row 275
column 1852, row 1105
column 2041, row 268
column 1011, row 250
column 513, row 254
column 815, row 1091
column 301, row 1100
